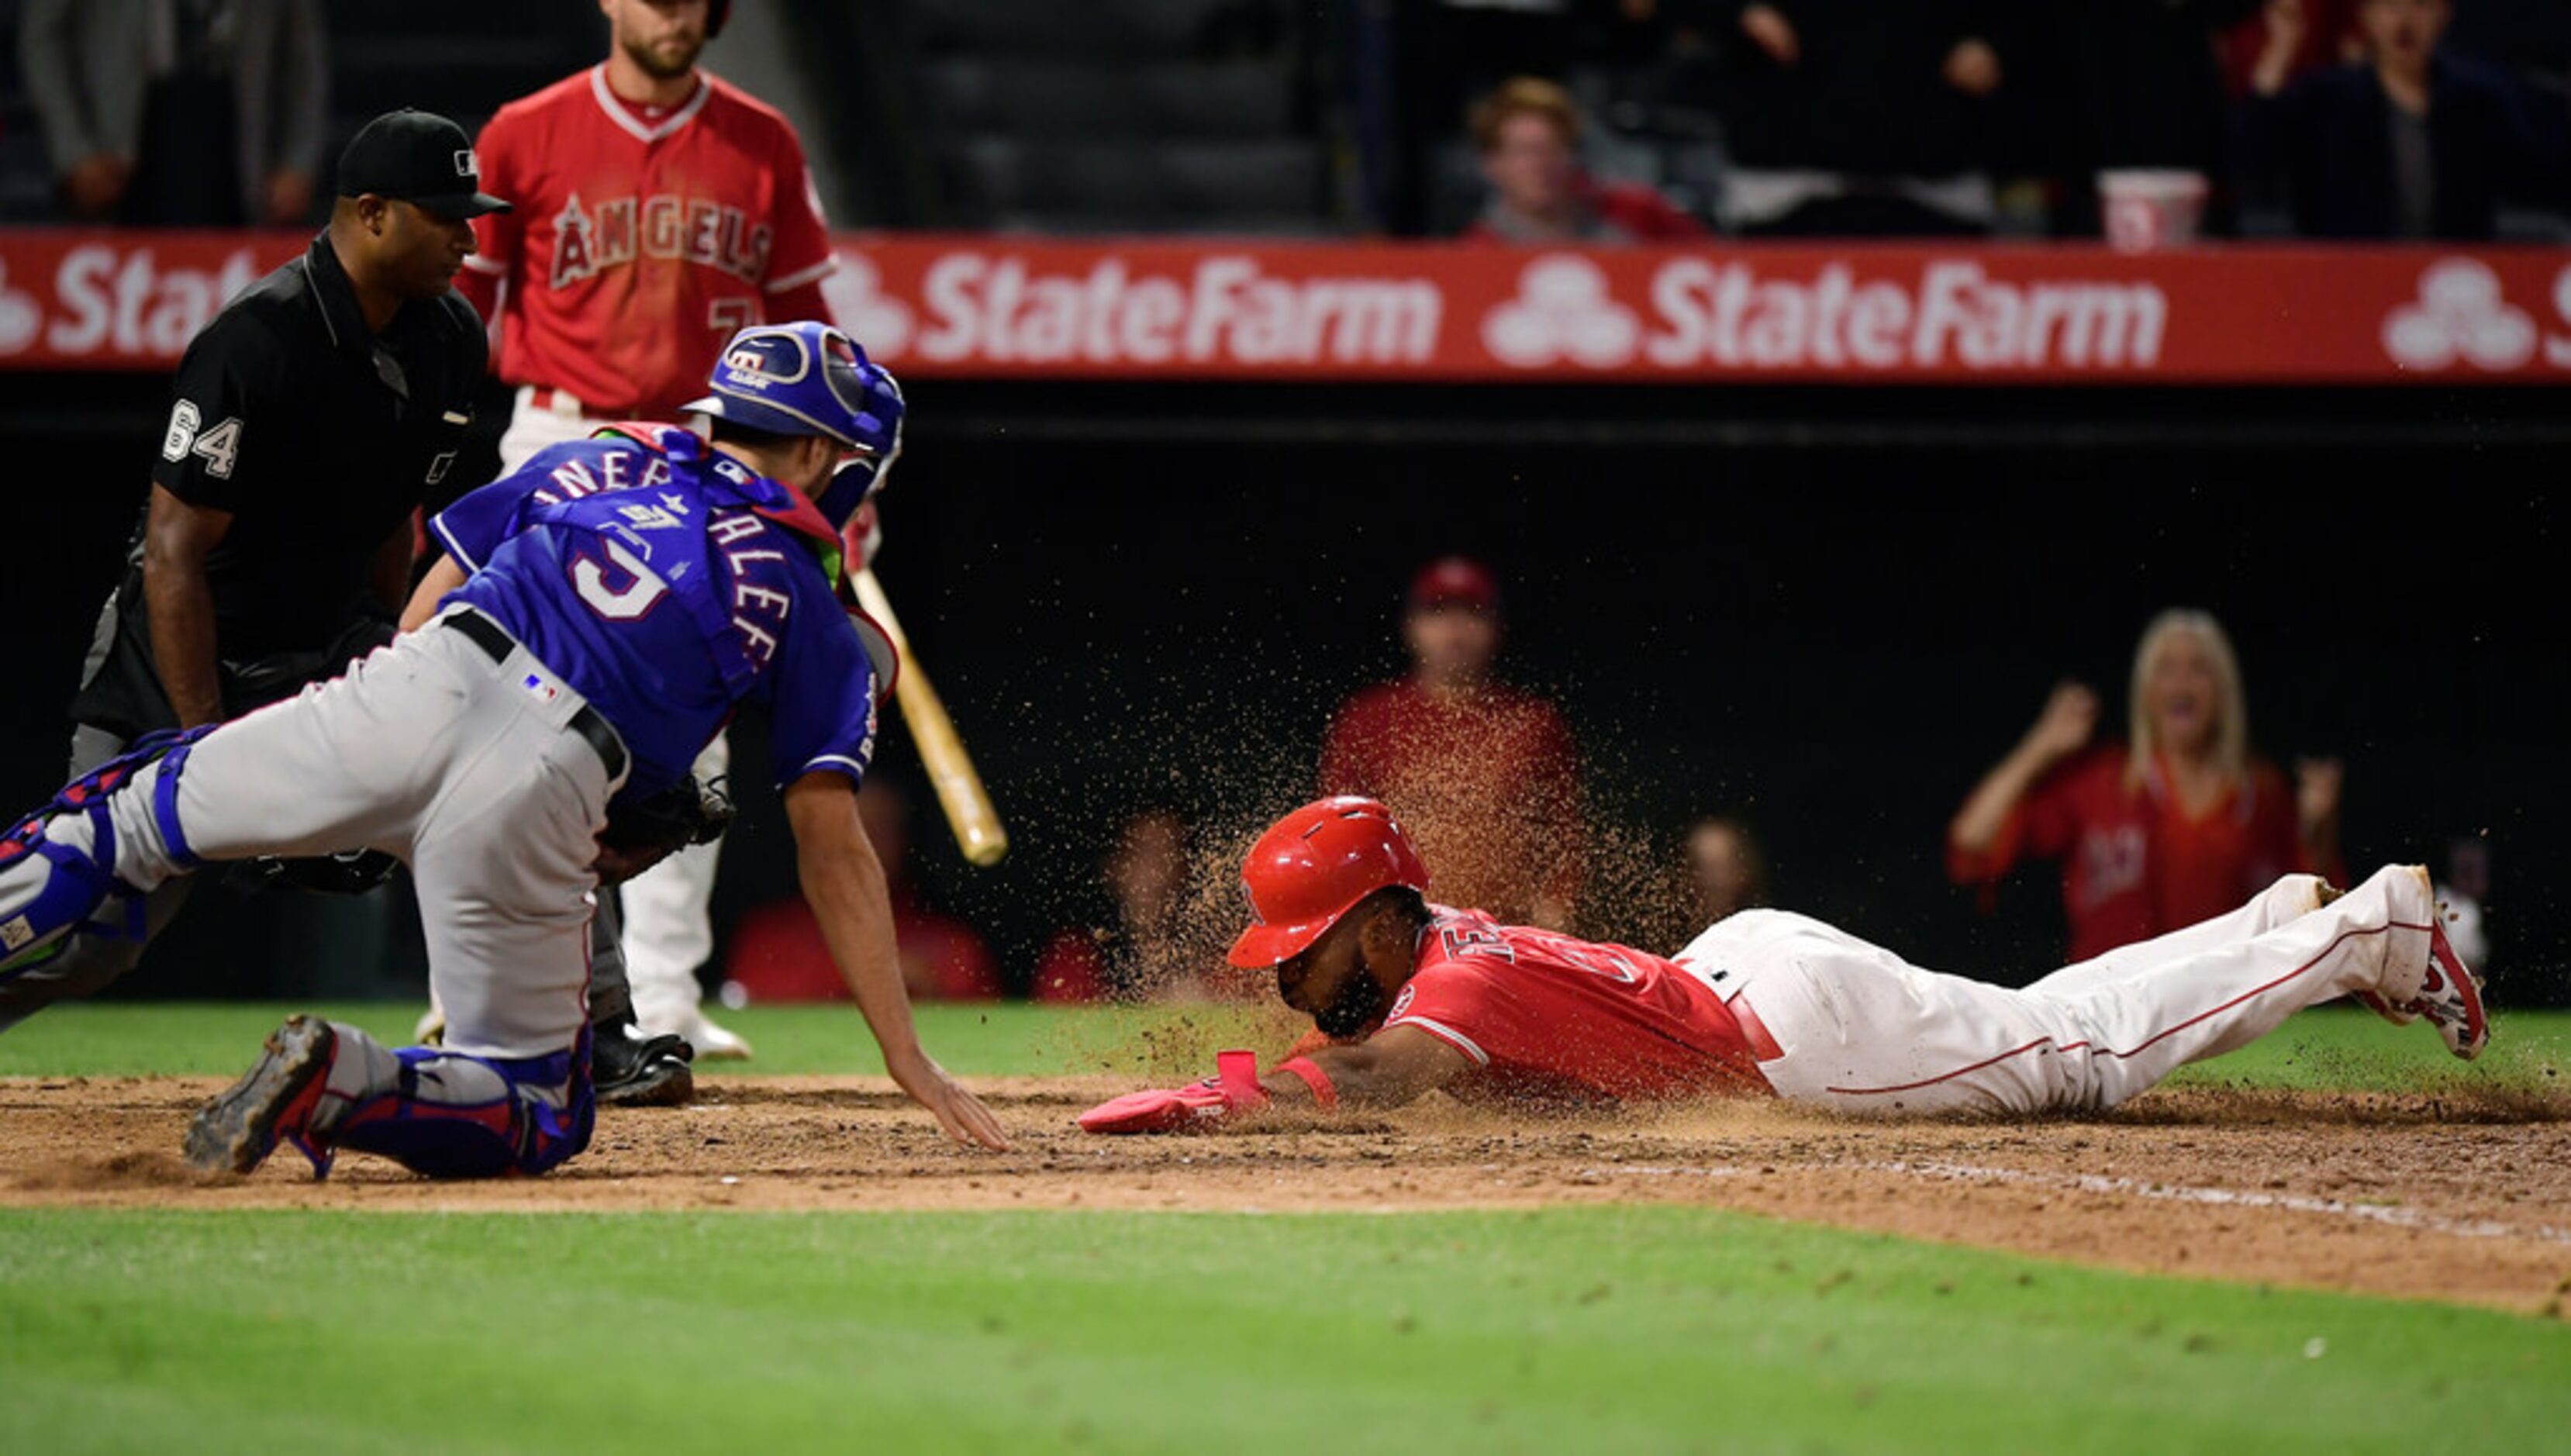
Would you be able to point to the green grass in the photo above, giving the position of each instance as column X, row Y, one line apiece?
column 1575, row 1329
column 2348, row 1049
column 2330, row 1048
column 1560, row 1330
column 997, row 1040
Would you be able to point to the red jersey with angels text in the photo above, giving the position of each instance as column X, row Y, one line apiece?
column 1546, row 1016
column 637, row 249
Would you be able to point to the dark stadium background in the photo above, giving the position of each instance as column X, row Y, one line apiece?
column 1827, row 609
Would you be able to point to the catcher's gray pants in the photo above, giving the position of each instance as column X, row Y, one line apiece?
column 88, row 962
column 466, row 768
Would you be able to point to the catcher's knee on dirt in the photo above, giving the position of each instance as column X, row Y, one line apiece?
column 448, row 1115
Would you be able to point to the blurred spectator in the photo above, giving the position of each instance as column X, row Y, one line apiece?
column 778, row 953
column 2177, row 826
column 2329, row 39
column 1429, row 59
column 2409, row 143
column 1140, row 951
column 1854, row 117
column 1528, row 134
column 1481, row 774
column 179, row 113
column 1726, row 867
column 1413, row 67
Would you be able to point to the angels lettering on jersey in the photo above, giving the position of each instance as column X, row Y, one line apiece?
column 638, row 248
column 613, row 233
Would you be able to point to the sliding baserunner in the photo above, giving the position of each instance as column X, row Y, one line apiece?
column 1766, row 1002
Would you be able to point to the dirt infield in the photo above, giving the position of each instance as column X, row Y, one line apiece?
column 2464, row 1199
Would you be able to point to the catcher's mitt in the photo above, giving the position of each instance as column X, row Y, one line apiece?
column 642, row 833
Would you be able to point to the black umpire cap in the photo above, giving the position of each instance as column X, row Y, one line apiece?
column 417, row 157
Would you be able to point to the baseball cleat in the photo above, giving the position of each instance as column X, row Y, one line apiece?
column 274, row 1100
column 628, row 1069
column 2451, row 997
column 712, row 1043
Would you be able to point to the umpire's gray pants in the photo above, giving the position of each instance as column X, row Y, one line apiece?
column 464, row 769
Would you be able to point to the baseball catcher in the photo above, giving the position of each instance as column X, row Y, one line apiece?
column 600, row 615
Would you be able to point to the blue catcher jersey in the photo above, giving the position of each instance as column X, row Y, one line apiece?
column 654, row 575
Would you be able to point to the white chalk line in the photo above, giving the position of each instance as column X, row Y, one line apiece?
column 2394, row 1214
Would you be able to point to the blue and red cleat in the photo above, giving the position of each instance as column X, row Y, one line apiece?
column 273, row 1100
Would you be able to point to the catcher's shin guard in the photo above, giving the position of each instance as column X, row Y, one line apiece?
column 54, row 884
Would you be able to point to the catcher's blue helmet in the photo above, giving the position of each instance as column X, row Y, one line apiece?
column 810, row 378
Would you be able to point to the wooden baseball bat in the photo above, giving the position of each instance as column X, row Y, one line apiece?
column 950, row 769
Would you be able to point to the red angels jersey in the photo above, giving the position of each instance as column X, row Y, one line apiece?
column 635, row 250
column 1545, row 1016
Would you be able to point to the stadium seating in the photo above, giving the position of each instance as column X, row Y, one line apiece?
column 1117, row 115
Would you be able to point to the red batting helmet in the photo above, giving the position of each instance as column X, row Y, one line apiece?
column 1311, row 867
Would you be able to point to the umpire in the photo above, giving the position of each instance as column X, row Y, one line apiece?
column 309, row 421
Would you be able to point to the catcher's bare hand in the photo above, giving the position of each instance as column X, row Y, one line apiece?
column 959, row 1111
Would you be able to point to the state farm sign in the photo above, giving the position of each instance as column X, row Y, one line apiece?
column 119, row 297
column 968, row 306
column 972, row 306
column 1729, row 316
column 1220, row 308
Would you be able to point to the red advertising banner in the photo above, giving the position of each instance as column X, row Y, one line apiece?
column 1001, row 307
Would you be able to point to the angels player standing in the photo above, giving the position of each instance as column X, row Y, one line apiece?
column 660, row 210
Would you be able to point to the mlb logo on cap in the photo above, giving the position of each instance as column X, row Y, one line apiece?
column 419, row 158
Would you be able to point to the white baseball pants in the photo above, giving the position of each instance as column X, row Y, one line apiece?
column 1864, row 1032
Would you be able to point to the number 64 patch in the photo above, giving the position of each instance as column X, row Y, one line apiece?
column 219, row 446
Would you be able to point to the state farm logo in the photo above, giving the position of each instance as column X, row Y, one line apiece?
column 20, row 318
column 2462, row 313
column 879, row 322
column 1705, row 311
column 110, row 301
column 1218, row 308
column 1563, row 310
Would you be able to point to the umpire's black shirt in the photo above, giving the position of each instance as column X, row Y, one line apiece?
column 320, row 438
